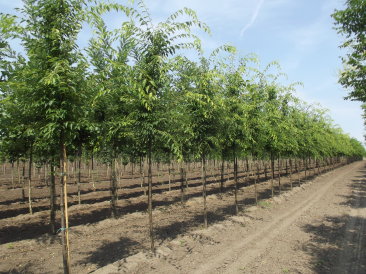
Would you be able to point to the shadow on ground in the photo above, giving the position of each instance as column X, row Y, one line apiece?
column 336, row 238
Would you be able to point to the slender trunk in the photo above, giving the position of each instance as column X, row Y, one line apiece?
column 92, row 171
column 203, row 166
column 286, row 167
column 23, row 181
column 265, row 171
column 12, row 175
column 170, row 177
column 79, row 175
column 222, row 174
column 255, row 182
column 279, row 174
column 306, row 167
column 64, row 211
column 290, row 162
column 142, row 172
column 46, row 174
column 181, row 183
column 30, row 181
column 113, row 188
column 52, row 199
column 149, row 175
column 18, row 172
column 246, row 172
column 298, row 170
column 185, row 174
column 236, row 184
column 272, row 175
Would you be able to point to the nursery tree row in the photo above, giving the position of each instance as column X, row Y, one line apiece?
column 133, row 93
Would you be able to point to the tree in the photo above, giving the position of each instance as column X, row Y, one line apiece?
column 154, row 43
column 351, row 22
column 53, row 70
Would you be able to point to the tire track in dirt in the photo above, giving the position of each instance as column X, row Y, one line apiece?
column 253, row 245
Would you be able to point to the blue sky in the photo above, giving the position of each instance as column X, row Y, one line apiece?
column 298, row 34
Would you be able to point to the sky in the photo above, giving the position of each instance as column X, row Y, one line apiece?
column 299, row 34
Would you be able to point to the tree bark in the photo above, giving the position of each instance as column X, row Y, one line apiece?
column 113, row 188
column 279, row 174
column 149, row 175
column 79, row 177
column 30, row 181
column 236, row 184
column 222, row 174
column 272, row 175
column 290, row 163
column 204, row 194
column 64, row 212
column 181, row 183
column 52, row 200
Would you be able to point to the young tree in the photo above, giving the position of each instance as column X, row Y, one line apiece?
column 53, row 69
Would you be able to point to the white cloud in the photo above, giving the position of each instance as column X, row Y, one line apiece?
column 253, row 18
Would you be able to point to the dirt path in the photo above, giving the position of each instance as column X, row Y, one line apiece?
column 317, row 228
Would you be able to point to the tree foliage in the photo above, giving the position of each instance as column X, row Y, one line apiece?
column 351, row 23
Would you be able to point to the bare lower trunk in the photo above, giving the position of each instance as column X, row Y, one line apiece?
column 64, row 212
column 272, row 175
column 12, row 175
column 30, row 182
column 52, row 200
column 149, row 175
column 79, row 177
column 236, row 184
column 181, row 183
column 113, row 188
column 222, row 175
column 290, row 163
column 279, row 175
column 204, row 194
column 255, row 184
column 23, row 181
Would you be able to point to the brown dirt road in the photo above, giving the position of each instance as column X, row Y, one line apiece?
column 316, row 228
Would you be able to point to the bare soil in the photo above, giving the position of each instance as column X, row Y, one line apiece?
column 315, row 228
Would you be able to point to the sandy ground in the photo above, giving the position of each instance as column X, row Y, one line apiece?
column 316, row 228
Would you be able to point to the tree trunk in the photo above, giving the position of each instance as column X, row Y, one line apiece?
column 298, row 169
column 46, row 174
column 30, row 181
column 18, row 172
column 236, row 184
column 149, row 175
column 79, row 175
column 170, row 177
column 279, row 174
column 142, row 175
column 64, row 212
column 92, row 172
column 52, row 200
column 222, row 174
column 265, row 170
column 181, row 183
column 255, row 183
column 272, row 175
column 204, row 194
column 113, row 188
column 290, row 163
column 185, row 174
column 23, row 181
column 306, row 167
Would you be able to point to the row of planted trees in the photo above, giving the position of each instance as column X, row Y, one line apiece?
column 132, row 94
